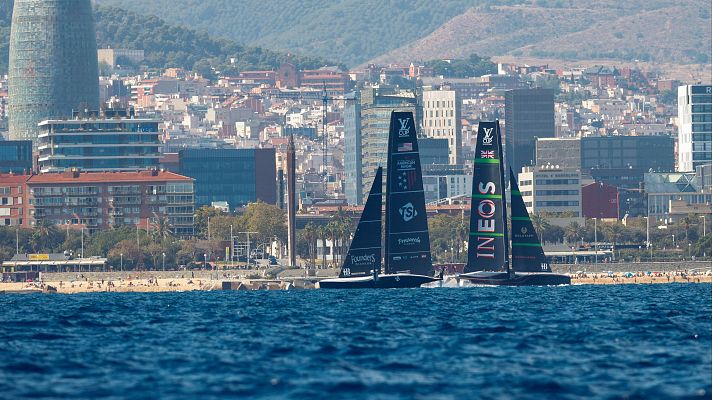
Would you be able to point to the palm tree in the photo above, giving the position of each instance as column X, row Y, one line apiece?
column 162, row 227
column 574, row 231
column 540, row 223
column 311, row 234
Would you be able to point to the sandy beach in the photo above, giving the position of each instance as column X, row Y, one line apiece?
column 154, row 285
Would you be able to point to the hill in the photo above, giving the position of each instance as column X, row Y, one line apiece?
column 357, row 31
column 658, row 31
column 166, row 45
column 351, row 31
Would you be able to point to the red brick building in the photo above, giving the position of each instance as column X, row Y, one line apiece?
column 99, row 200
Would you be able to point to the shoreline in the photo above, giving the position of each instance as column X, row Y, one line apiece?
column 160, row 285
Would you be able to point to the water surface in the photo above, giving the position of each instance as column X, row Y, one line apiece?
column 624, row 341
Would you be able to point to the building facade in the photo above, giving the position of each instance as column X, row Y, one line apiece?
column 15, row 156
column 445, row 181
column 694, row 120
column 529, row 114
column 13, row 199
column 441, row 120
column 53, row 63
column 667, row 191
column 622, row 161
column 104, row 144
column 235, row 176
column 98, row 201
column 352, row 149
column 377, row 104
column 547, row 189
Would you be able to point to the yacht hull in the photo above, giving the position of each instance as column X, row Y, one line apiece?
column 517, row 279
column 390, row 281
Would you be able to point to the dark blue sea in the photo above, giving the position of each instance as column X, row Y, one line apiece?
column 609, row 342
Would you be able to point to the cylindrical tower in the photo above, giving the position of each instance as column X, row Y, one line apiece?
column 53, row 63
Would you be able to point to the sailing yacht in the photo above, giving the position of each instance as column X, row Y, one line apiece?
column 488, row 250
column 407, row 241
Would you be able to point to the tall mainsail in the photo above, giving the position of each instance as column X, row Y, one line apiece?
column 364, row 255
column 488, row 244
column 527, row 253
column 407, row 239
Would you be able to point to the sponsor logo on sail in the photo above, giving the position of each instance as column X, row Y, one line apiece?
column 524, row 230
column 363, row 259
column 408, row 212
column 486, row 211
column 409, row 241
column 488, row 138
column 406, row 180
column 404, row 130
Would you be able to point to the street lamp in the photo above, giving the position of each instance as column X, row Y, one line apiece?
column 673, row 240
column 164, row 261
column 704, row 225
column 205, row 261
column 595, row 238
column 122, row 262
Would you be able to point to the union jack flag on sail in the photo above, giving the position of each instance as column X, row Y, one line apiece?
column 487, row 154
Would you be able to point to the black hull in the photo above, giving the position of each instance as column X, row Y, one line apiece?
column 519, row 279
column 395, row 281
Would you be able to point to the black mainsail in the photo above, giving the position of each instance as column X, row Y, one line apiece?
column 488, row 244
column 527, row 253
column 407, row 238
column 364, row 255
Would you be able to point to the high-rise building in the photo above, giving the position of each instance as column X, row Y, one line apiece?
column 352, row 149
column 15, row 156
column 441, row 120
column 53, row 63
column 112, row 142
column 529, row 114
column 377, row 104
column 694, row 120
column 235, row 176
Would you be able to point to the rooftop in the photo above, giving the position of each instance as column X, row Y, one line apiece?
column 106, row 177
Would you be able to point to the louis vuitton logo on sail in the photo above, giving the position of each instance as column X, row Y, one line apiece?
column 488, row 138
column 404, row 130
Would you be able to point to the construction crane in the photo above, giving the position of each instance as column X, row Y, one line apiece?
column 325, row 99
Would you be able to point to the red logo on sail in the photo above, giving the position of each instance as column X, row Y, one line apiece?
column 487, row 154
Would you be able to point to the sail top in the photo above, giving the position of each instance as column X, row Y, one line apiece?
column 364, row 255
column 527, row 252
column 488, row 247
column 407, row 238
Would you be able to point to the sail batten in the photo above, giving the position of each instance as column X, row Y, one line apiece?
column 488, row 247
column 364, row 255
column 407, row 239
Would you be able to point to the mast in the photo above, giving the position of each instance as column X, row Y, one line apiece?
column 504, row 202
column 291, row 203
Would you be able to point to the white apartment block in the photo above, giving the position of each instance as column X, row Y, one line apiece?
column 551, row 189
column 441, row 119
column 694, row 123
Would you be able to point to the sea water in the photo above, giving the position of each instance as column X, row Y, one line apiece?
column 624, row 341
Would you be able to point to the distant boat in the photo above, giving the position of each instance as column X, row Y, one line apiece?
column 488, row 250
column 407, row 258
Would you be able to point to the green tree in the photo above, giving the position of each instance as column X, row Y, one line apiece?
column 202, row 215
column 267, row 220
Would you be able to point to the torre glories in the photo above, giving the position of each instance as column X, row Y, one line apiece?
column 53, row 63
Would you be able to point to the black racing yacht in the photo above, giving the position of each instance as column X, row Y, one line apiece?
column 488, row 250
column 407, row 243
